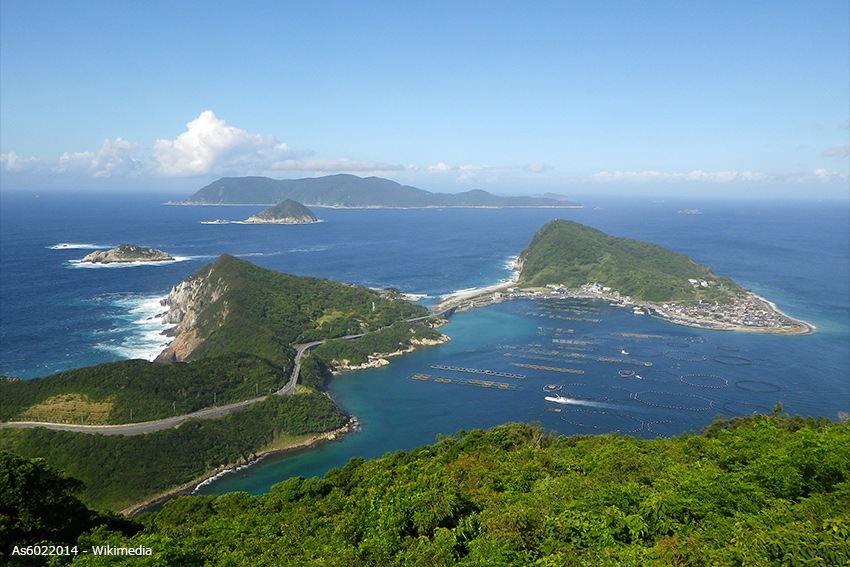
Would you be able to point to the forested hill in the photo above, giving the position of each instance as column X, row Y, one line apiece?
column 571, row 254
column 763, row 490
column 345, row 190
column 235, row 306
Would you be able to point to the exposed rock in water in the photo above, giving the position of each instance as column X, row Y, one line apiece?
column 127, row 253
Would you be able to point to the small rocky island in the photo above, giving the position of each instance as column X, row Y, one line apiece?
column 285, row 212
column 126, row 253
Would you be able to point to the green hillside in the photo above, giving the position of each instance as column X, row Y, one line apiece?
column 247, row 320
column 568, row 253
column 763, row 490
column 267, row 311
column 287, row 210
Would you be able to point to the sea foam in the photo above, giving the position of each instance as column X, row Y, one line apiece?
column 137, row 328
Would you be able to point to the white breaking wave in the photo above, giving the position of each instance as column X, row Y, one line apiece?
column 88, row 265
column 79, row 246
column 137, row 333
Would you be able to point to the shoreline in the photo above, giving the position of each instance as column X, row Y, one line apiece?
column 190, row 487
column 484, row 297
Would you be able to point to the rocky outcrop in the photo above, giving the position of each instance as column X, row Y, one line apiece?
column 127, row 253
column 185, row 303
column 286, row 212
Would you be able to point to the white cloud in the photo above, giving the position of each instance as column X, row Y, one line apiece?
column 13, row 162
column 537, row 167
column 837, row 151
column 114, row 159
column 440, row 167
column 209, row 144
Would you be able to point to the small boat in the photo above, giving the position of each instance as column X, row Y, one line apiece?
column 558, row 399
column 624, row 351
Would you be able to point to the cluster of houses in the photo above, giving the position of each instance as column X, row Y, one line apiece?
column 744, row 311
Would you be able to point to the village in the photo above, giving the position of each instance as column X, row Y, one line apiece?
column 748, row 312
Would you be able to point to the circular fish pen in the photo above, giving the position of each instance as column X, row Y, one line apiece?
column 602, row 421
column 733, row 360
column 552, row 388
column 684, row 357
column 700, row 380
column 672, row 401
column 626, row 373
column 758, row 386
column 744, row 408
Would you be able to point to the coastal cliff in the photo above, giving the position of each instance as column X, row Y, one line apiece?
column 234, row 306
column 186, row 301
column 127, row 253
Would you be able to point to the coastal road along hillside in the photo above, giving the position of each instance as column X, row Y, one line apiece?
column 158, row 425
column 143, row 427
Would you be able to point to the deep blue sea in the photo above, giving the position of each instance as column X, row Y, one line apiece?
column 56, row 314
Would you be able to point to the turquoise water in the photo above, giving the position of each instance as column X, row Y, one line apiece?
column 56, row 315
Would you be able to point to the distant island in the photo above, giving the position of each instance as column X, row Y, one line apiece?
column 285, row 212
column 568, row 258
column 351, row 191
column 126, row 253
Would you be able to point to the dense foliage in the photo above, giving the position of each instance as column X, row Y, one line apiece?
column 764, row 490
column 39, row 506
column 269, row 311
column 137, row 390
column 119, row 471
column 568, row 253
column 246, row 353
column 396, row 337
column 287, row 209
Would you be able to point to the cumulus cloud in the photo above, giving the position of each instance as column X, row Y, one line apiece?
column 115, row 158
column 208, row 144
column 15, row 163
column 837, row 151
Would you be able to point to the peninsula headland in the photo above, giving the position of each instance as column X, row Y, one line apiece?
column 567, row 259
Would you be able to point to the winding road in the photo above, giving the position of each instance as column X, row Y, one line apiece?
column 143, row 427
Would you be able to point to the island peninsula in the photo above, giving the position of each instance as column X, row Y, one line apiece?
column 567, row 259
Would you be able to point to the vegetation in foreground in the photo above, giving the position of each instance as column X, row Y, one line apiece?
column 763, row 490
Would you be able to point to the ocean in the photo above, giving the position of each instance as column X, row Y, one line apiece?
column 603, row 367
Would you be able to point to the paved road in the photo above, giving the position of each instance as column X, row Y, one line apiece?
column 158, row 425
column 208, row 413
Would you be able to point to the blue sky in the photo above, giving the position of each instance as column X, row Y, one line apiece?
column 703, row 98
